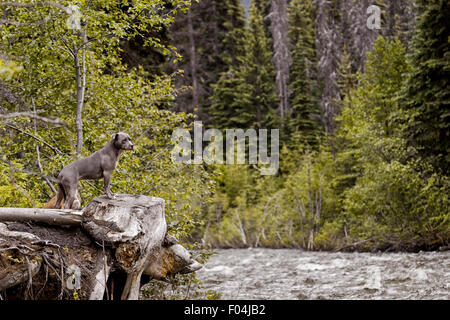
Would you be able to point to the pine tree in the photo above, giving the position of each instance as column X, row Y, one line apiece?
column 347, row 78
column 263, row 7
column 427, row 94
column 208, row 37
column 305, row 97
column 245, row 95
column 231, row 30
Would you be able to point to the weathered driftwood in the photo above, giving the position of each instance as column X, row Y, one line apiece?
column 127, row 235
column 59, row 217
column 170, row 261
column 100, row 279
column 136, row 225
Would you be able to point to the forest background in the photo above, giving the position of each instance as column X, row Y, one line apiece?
column 363, row 113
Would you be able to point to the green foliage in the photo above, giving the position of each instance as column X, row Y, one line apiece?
column 254, row 210
column 368, row 118
column 208, row 38
column 362, row 185
column 331, row 235
column 8, row 69
column 118, row 98
column 426, row 94
column 382, row 176
column 391, row 199
column 405, row 206
column 245, row 96
column 308, row 193
column 232, row 30
column 242, row 212
column 12, row 188
column 304, row 100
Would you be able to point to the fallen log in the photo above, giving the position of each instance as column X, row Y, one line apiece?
column 58, row 217
column 69, row 254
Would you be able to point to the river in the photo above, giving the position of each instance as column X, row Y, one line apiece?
column 296, row 274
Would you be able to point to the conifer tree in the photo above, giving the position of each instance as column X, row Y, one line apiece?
column 245, row 95
column 305, row 96
column 232, row 30
column 208, row 37
column 427, row 94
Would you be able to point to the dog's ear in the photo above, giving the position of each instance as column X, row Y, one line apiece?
column 115, row 136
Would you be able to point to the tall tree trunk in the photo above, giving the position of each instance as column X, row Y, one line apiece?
column 361, row 38
column 193, row 61
column 281, row 58
column 311, row 211
column 328, row 44
column 80, row 73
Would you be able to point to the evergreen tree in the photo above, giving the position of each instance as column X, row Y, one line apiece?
column 347, row 79
column 232, row 30
column 208, row 37
column 245, row 95
column 263, row 7
column 305, row 97
column 427, row 94
column 393, row 199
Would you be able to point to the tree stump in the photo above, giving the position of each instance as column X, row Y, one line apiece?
column 135, row 225
column 126, row 235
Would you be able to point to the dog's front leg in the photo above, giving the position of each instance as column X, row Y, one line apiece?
column 107, row 182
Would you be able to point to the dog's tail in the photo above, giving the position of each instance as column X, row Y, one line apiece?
column 61, row 195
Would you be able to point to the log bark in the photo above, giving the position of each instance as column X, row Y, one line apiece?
column 59, row 217
column 136, row 225
column 126, row 236
column 100, row 280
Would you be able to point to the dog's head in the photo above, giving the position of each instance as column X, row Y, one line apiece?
column 122, row 141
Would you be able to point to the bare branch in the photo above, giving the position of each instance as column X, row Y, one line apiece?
column 19, row 24
column 69, row 50
column 17, row 4
column 55, row 121
column 56, row 150
column 80, row 71
column 38, row 153
column 33, row 5
column 6, row 57
column 66, row 51
column 34, row 173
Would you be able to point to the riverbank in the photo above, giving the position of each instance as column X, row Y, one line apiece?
column 361, row 246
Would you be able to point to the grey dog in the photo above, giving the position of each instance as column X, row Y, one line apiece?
column 99, row 165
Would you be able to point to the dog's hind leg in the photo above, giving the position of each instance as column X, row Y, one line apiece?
column 76, row 205
column 72, row 201
column 60, row 196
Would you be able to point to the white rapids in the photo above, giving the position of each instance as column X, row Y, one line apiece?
column 295, row 274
